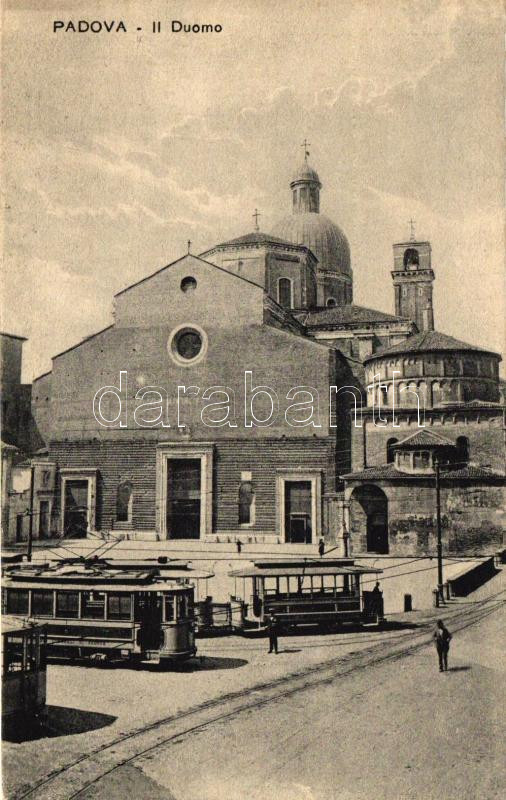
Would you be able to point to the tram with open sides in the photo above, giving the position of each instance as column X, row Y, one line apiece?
column 23, row 670
column 105, row 612
column 320, row 591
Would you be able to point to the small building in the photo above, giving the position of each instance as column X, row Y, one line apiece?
column 392, row 507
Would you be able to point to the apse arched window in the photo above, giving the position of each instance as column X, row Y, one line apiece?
column 331, row 302
column 390, row 450
column 124, row 498
column 462, row 450
column 411, row 258
column 285, row 292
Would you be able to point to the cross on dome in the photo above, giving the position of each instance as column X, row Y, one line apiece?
column 305, row 144
column 255, row 217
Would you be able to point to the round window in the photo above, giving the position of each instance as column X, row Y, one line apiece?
column 188, row 284
column 187, row 344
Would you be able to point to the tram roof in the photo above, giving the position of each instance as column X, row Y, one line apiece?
column 154, row 586
column 80, row 573
column 12, row 624
column 173, row 568
column 299, row 568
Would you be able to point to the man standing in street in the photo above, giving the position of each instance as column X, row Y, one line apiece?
column 442, row 638
column 272, row 629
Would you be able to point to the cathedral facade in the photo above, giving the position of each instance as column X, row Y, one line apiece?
column 221, row 403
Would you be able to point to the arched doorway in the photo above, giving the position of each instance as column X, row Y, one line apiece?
column 369, row 517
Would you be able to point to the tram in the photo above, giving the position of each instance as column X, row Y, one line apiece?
column 307, row 591
column 100, row 611
column 23, row 670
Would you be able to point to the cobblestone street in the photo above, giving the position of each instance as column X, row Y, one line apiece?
column 91, row 707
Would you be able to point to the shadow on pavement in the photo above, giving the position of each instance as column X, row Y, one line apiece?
column 331, row 630
column 56, row 721
column 458, row 669
column 209, row 663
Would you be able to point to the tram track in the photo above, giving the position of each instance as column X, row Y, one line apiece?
column 73, row 779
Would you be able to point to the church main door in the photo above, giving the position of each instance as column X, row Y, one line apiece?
column 183, row 498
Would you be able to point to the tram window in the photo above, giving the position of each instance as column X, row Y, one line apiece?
column 31, row 653
column 17, row 601
column 189, row 605
column 42, row 602
column 93, row 605
column 13, row 653
column 169, row 608
column 67, row 604
column 119, row 606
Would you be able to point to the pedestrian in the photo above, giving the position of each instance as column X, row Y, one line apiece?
column 272, row 629
column 239, row 545
column 321, row 547
column 376, row 601
column 442, row 637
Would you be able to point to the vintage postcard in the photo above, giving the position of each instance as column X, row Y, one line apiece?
column 253, row 411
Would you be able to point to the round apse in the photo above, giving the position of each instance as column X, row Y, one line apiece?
column 187, row 344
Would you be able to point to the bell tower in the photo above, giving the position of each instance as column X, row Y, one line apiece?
column 413, row 278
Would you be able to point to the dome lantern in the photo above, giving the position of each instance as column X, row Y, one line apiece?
column 307, row 226
column 305, row 186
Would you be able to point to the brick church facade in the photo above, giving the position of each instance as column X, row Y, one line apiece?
column 204, row 410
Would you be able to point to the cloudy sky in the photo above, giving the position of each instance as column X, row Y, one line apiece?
column 120, row 147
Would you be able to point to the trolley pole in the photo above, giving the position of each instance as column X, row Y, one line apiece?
column 438, row 528
column 30, row 521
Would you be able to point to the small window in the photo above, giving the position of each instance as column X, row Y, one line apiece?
column 169, row 608
column 331, row 302
column 411, row 257
column 93, row 605
column 13, row 650
column 119, row 606
column 44, row 519
column 285, row 292
column 246, row 503
column 42, row 602
column 390, row 450
column 17, row 601
column 420, row 460
column 124, row 498
column 67, row 604
column 188, row 285
column 462, row 450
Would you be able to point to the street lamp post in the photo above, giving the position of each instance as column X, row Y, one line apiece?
column 438, row 529
column 30, row 521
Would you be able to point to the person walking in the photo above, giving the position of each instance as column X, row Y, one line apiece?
column 272, row 629
column 377, row 601
column 321, row 547
column 442, row 637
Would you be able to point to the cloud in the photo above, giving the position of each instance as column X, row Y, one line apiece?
column 52, row 296
column 116, row 156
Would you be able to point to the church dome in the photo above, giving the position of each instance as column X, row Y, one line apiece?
column 321, row 235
